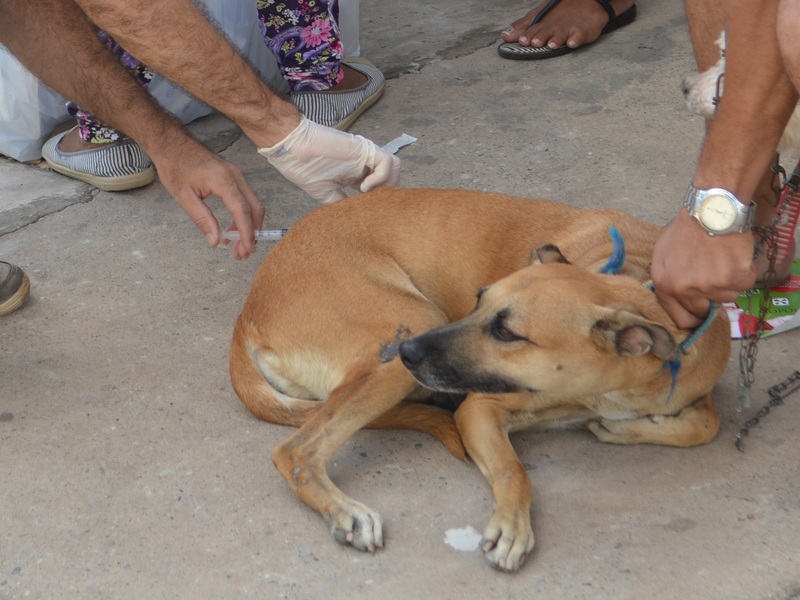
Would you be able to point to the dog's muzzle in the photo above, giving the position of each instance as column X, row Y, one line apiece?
column 422, row 356
column 431, row 360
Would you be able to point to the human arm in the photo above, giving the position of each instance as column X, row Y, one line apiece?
column 38, row 30
column 690, row 268
column 318, row 159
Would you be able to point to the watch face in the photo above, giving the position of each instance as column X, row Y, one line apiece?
column 717, row 212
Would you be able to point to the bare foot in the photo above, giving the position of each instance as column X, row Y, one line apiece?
column 570, row 22
column 72, row 142
column 352, row 79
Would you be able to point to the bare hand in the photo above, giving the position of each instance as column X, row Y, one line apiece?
column 192, row 173
column 691, row 269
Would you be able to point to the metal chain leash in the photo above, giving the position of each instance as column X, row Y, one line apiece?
column 751, row 334
column 777, row 394
column 748, row 350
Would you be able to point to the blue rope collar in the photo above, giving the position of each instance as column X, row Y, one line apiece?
column 613, row 266
column 674, row 364
column 617, row 259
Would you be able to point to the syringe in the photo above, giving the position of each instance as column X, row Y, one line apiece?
column 268, row 235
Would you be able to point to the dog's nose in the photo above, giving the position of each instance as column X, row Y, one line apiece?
column 411, row 353
column 685, row 87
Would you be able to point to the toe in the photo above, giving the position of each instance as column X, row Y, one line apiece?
column 520, row 30
column 510, row 35
column 356, row 526
column 507, row 546
column 575, row 38
column 554, row 41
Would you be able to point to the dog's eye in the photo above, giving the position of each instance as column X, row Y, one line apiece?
column 498, row 329
column 504, row 334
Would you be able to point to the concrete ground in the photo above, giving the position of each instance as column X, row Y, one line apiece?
column 129, row 468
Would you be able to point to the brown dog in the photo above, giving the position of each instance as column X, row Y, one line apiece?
column 317, row 344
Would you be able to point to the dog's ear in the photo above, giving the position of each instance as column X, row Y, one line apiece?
column 629, row 334
column 547, row 254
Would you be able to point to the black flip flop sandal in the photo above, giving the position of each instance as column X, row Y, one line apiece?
column 514, row 51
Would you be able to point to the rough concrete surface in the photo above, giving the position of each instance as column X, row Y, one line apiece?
column 129, row 469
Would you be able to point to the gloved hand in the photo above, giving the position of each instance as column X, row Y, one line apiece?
column 322, row 161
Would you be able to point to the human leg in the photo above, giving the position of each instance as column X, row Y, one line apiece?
column 222, row 79
column 95, row 152
column 306, row 43
column 208, row 67
column 555, row 27
column 319, row 160
column 706, row 20
column 90, row 128
column 37, row 31
column 85, row 72
column 788, row 42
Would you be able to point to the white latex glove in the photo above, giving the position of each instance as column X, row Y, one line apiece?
column 322, row 161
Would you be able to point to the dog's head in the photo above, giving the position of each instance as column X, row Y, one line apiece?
column 703, row 90
column 553, row 328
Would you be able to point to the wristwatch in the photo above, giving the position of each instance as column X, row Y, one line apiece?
column 718, row 210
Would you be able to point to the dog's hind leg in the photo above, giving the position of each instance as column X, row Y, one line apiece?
column 694, row 425
column 268, row 404
column 483, row 422
column 368, row 391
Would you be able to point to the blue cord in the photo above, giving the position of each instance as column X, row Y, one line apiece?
column 617, row 259
column 674, row 364
column 613, row 266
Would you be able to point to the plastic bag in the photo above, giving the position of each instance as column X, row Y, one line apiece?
column 30, row 111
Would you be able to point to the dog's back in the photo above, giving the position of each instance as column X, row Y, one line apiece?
column 448, row 243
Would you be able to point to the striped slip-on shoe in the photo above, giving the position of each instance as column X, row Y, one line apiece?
column 111, row 167
column 14, row 288
column 341, row 109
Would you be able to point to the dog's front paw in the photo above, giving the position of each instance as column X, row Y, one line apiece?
column 353, row 523
column 507, row 542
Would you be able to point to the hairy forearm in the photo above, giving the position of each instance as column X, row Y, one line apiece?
column 36, row 31
column 177, row 41
column 755, row 106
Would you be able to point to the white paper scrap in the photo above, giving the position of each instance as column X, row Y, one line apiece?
column 398, row 142
column 465, row 540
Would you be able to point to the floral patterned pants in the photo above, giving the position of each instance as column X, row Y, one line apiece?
column 303, row 36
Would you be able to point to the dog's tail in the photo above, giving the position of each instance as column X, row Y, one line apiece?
column 268, row 404
column 256, row 393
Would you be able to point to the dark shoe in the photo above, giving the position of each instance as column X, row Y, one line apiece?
column 514, row 51
column 14, row 288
